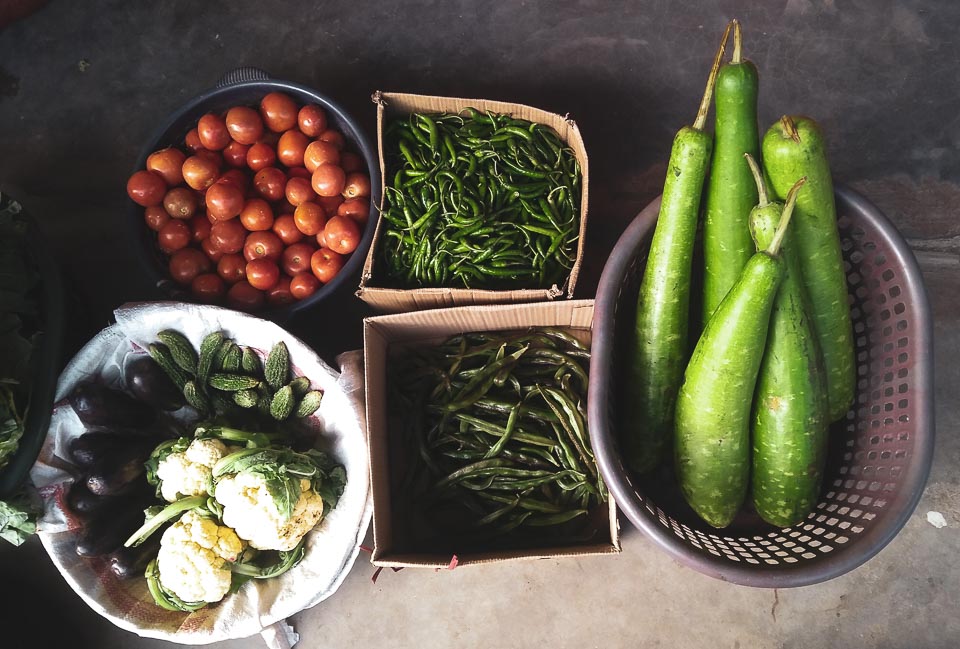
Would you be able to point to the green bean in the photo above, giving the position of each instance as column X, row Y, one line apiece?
column 500, row 417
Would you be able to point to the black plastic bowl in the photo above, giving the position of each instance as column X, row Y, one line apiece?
column 247, row 86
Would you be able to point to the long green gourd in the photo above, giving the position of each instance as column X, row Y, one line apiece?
column 712, row 424
column 662, row 314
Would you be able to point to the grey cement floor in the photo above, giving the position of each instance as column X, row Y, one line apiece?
column 83, row 84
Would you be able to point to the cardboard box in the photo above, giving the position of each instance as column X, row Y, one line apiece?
column 396, row 300
column 379, row 333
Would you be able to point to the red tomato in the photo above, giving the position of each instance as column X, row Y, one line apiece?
column 232, row 268
column 173, row 236
column 146, row 188
column 309, row 218
column 296, row 258
column 256, row 215
column 298, row 191
column 351, row 162
column 180, row 202
column 270, row 183
column 328, row 180
column 290, row 148
column 244, row 297
column 298, row 172
column 270, row 138
column 199, row 173
column 244, row 124
column 330, row 204
column 357, row 185
column 200, row 226
column 228, row 236
column 263, row 274
column 237, row 178
column 187, row 263
column 303, row 285
column 224, row 201
column 357, row 209
column 235, row 154
column 213, row 156
column 213, row 132
column 262, row 245
column 208, row 287
column 325, row 264
column 334, row 137
column 260, row 156
column 207, row 246
column 312, row 120
column 192, row 141
column 280, row 294
column 279, row 112
column 341, row 234
column 285, row 227
column 319, row 152
column 168, row 163
column 156, row 217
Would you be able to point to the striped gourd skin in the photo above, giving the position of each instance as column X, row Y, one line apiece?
column 712, row 427
column 731, row 191
column 789, row 429
column 663, row 306
column 818, row 247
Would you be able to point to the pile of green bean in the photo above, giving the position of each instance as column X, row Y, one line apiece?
column 478, row 200
column 495, row 426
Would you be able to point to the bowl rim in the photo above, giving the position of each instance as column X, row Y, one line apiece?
column 617, row 477
column 44, row 362
column 256, row 79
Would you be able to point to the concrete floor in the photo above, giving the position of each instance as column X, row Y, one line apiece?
column 83, row 84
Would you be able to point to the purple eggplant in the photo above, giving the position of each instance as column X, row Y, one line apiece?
column 99, row 405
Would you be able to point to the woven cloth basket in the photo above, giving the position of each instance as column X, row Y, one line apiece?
column 879, row 455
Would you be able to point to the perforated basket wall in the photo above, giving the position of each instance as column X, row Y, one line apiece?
column 879, row 454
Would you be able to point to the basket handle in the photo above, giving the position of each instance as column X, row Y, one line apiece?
column 242, row 75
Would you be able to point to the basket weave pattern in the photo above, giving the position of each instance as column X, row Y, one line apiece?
column 879, row 454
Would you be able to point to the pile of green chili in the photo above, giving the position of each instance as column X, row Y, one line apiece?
column 478, row 200
column 495, row 425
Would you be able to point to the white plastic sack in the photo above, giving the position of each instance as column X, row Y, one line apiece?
column 331, row 548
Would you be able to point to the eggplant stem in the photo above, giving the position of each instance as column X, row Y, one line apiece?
column 774, row 247
column 764, row 199
column 701, row 120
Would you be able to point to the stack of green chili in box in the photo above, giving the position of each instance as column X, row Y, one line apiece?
column 478, row 200
column 495, row 430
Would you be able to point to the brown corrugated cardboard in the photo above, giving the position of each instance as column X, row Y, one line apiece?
column 395, row 300
column 382, row 331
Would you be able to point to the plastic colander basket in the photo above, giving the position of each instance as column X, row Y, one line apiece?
column 879, row 455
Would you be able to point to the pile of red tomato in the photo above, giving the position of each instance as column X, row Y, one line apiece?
column 260, row 207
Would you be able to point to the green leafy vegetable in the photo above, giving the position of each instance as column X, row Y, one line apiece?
column 282, row 469
column 18, row 518
column 159, row 454
column 19, row 323
column 155, row 520
column 284, row 561
column 11, row 426
column 163, row 597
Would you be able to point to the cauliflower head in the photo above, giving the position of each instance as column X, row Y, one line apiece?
column 249, row 509
column 194, row 558
column 188, row 473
